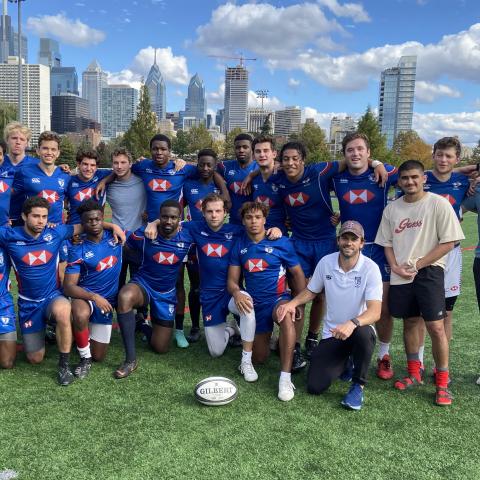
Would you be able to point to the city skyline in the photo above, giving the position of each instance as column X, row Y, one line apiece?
column 324, row 56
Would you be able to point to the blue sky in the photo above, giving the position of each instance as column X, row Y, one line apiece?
column 323, row 55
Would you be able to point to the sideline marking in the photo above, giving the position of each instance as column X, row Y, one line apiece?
column 8, row 474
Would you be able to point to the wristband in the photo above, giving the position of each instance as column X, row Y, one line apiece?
column 355, row 322
column 376, row 163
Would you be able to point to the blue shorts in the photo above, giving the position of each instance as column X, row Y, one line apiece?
column 214, row 307
column 311, row 252
column 162, row 304
column 377, row 254
column 34, row 316
column 96, row 315
column 7, row 316
column 264, row 313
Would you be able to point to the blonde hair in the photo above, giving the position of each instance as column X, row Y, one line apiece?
column 16, row 126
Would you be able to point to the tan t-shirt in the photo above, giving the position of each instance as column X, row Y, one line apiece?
column 414, row 229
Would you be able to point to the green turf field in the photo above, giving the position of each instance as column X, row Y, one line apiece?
column 150, row 427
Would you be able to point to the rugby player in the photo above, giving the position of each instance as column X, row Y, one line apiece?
column 417, row 231
column 264, row 263
column 91, row 281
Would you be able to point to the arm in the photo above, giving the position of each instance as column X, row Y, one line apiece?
column 100, row 189
column 302, row 298
column 433, row 255
column 222, row 186
column 71, row 289
column 381, row 174
column 118, row 233
column 368, row 317
column 246, row 188
column 243, row 302
column 403, row 271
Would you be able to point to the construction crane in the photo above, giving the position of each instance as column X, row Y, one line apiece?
column 242, row 58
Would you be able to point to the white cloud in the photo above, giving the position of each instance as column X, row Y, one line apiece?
column 266, row 30
column 270, row 103
column 428, row 92
column 432, row 126
column 216, row 98
column 173, row 68
column 323, row 118
column 292, row 82
column 71, row 32
column 355, row 11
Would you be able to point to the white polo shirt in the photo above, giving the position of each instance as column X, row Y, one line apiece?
column 346, row 292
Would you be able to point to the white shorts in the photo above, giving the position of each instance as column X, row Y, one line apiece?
column 453, row 272
column 100, row 332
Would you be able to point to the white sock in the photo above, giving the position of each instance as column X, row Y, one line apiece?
column 85, row 351
column 383, row 349
column 420, row 353
column 246, row 357
column 285, row 376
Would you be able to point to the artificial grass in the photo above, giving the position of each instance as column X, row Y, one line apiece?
column 149, row 426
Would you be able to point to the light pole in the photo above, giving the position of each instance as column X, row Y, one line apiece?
column 20, row 79
column 262, row 94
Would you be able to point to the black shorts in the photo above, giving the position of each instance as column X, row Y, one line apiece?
column 425, row 296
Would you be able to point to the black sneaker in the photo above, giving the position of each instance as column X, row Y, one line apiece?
column 83, row 368
column 125, row 369
column 50, row 335
column 194, row 335
column 298, row 362
column 310, row 344
column 65, row 376
column 235, row 341
column 139, row 319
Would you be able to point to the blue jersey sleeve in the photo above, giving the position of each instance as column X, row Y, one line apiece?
column 136, row 239
column 190, row 171
column 65, row 231
column 4, row 235
column 326, row 169
column 392, row 173
column 74, row 260
column 235, row 255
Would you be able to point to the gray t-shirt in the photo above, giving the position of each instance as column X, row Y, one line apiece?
column 128, row 201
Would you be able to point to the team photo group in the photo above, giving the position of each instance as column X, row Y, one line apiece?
column 247, row 243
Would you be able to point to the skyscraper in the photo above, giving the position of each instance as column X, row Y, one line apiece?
column 35, row 93
column 236, row 98
column 49, row 53
column 69, row 113
column 195, row 103
column 397, row 91
column 288, row 121
column 119, row 108
column 9, row 39
column 63, row 80
column 157, row 90
column 256, row 118
column 93, row 80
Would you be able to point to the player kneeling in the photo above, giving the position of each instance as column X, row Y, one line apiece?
column 263, row 263
column 91, row 280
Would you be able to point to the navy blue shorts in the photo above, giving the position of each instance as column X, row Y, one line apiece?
column 311, row 252
column 377, row 254
column 33, row 316
column 162, row 304
column 264, row 313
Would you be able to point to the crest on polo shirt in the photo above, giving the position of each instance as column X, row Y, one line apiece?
column 358, row 281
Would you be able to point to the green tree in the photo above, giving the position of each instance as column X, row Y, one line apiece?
column 230, row 142
column 475, row 157
column 368, row 124
column 143, row 127
column 105, row 150
column 267, row 126
column 180, row 144
column 198, row 138
column 8, row 113
column 67, row 152
column 409, row 146
column 314, row 139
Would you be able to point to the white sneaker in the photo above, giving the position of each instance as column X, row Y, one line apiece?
column 478, row 381
column 285, row 390
column 248, row 372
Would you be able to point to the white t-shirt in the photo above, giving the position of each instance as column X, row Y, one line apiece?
column 414, row 229
column 346, row 292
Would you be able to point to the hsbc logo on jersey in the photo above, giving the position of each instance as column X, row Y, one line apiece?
column 296, row 199
column 159, row 185
column 165, row 258
column 49, row 195
column 84, row 194
column 3, row 186
column 214, row 250
column 255, row 265
column 265, row 200
column 355, row 197
column 107, row 262
column 39, row 257
column 235, row 187
column 198, row 205
column 449, row 198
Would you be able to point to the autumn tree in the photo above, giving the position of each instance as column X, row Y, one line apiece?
column 409, row 146
column 230, row 142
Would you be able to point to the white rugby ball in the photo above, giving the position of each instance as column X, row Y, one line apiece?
column 215, row 391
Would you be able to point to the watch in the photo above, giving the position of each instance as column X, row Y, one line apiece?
column 355, row 321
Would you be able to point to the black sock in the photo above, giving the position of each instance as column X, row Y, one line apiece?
column 127, row 327
column 194, row 305
column 179, row 317
column 63, row 359
column 312, row 335
column 297, row 346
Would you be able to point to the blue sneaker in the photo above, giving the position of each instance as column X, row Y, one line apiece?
column 354, row 397
column 347, row 374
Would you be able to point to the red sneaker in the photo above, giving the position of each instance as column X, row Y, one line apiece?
column 384, row 368
column 443, row 397
column 407, row 383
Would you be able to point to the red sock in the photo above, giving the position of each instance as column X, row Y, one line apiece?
column 81, row 338
column 413, row 368
column 441, row 378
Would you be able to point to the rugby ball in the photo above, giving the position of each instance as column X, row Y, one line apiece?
column 215, row 391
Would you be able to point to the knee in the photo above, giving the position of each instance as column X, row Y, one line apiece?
column 35, row 357
column 160, row 348
column 215, row 352
column 125, row 301
column 436, row 330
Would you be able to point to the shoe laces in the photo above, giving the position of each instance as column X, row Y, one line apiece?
column 247, row 368
column 385, row 363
